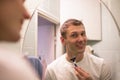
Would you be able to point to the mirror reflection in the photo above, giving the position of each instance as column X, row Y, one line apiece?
column 101, row 22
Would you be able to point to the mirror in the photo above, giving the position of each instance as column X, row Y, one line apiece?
column 107, row 48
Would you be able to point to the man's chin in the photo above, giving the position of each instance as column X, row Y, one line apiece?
column 81, row 51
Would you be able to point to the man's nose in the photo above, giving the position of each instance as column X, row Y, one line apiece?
column 80, row 38
column 26, row 14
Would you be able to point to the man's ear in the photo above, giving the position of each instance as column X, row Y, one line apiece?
column 62, row 40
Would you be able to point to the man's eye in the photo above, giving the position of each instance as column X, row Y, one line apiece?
column 74, row 35
column 83, row 34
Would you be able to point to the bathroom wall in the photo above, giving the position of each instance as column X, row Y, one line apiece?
column 28, row 36
column 115, row 8
column 109, row 46
column 51, row 7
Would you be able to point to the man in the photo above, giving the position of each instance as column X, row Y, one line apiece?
column 12, row 65
column 76, row 63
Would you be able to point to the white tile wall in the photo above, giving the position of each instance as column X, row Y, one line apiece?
column 109, row 47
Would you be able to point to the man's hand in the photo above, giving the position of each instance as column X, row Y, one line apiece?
column 81, row 74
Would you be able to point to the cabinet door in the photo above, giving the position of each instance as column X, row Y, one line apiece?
column 46, row 40
column 86, row 10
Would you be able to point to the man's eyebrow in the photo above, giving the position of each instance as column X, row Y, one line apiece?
column 73, row 32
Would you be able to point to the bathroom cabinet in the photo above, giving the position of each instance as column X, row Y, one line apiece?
column 88, row 11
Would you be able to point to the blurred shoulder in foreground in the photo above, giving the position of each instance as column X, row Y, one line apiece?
column 15, row 67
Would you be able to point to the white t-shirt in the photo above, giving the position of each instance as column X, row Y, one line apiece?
column 15, row 67
column 61, row 69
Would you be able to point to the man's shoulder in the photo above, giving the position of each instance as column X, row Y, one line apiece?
column 95, row 59
column 15, row 64
column 58, row 61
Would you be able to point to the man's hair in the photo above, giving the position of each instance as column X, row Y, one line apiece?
column 68, row 23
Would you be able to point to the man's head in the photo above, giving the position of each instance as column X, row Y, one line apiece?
column 73, row 36
column 12, row 16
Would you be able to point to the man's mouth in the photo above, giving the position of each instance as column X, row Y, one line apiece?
column 80, row 46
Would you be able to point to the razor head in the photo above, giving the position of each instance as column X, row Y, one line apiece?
column 73, row 59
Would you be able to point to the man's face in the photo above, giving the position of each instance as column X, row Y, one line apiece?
column 12, row 15
column 75, row 40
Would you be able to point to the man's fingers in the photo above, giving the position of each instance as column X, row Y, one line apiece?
column 81, row 71
column 81, row 74
column 78, row 75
